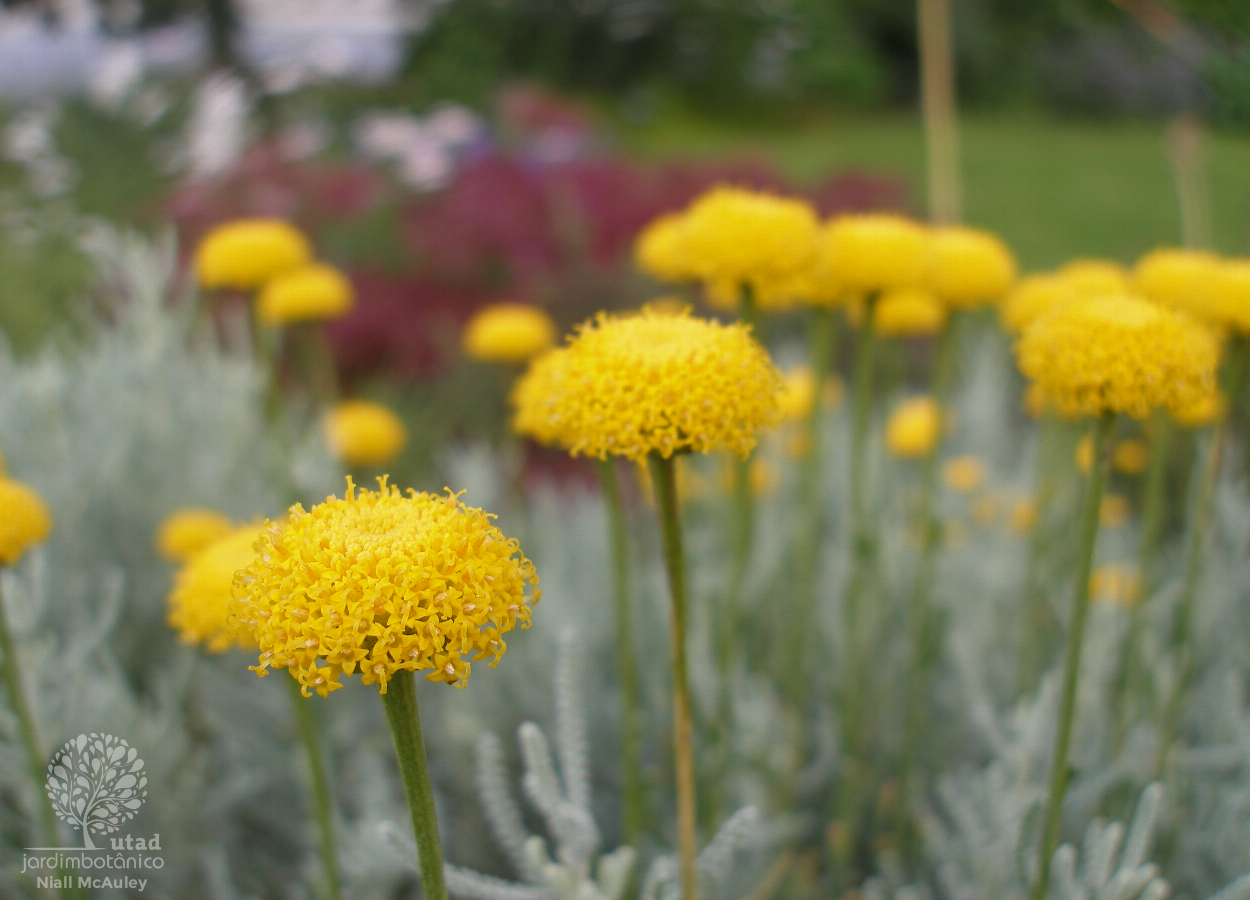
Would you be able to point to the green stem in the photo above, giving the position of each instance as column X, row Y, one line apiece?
column 743, row 509
column 400, row 702
column 663, row 477
column 821, row 331
column 1072, row 659
column 323, row 802
column 626, row 663
column 1038, row 621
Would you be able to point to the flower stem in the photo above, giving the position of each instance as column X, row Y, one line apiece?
column 1072, row 659
column 937, row 91
column 400, row 702
column 323, row 803
column 626, row 663
column 1038, row 623
column 821, row 330
column 663, row 477
column 743, row 524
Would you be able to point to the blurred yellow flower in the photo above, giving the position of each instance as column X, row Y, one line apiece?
column 1233, row 294
column 869, row 253
column 246, row 253
column 1023, row 515
column 1032, row 296
column 309, row 293
column 665, row 384
column 659, row 252
column 1130, row 456
column 24, row 521
column 1204, row 411
column 1118, row 354
column 963, row 473
column 1035, row 401
column 971, row 268
column 384, row 583
column 508, row 333
column 1114, row 511
column 1085, row 454
column 1096, row 276
column 1114, row 583
column 537, row 395
column 798, row 393
column 199, row 604
column 908, row 312
column 185, row 532
column 361, row 433
column 1184, row 279
column 913, row 428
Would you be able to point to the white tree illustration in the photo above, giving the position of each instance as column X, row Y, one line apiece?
column 96, row 783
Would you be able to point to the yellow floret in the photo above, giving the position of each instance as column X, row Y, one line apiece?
column 200, row 603
column 913, row 428
column 508, row 333
column 24, row 521
column 361, row 433
column 308, row 293
column 384, row 583
column 1118, row 354
column 971, row 268
column 246, row 253
column 187, row 531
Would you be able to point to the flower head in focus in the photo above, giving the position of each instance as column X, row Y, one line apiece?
column 1118, row 354
column 246, row 253
column 362, row 433
column 660, row 383
column 511, row 333
column 200, row 602
column 305, row 294
column 24, row 521
column 185, row 532
column 913, row 428
column 970, row 268
column 382, row 582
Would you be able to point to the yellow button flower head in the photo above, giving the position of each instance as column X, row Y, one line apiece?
column 1023, row 515
column 1114, row 510
column 1233, row 294
column 1130, row 456
column 733, row 237
column 659, row 251
column 971, row 268
column 1085, row 454
column 908, row 313
column 665, row 384
column 188, row 531
column 200, row 603
column 913, row 428
column 384, row 583
column 248, row 252
column 508, row 333
column 537, row 397
column 24, row 521
column 1183, row 279
column 305, row 294
column 1096, row 276
column 1118, row 354
column 870, row 253
column 963, row 473
column 798, row 393
column 1032, row 296
column 361, row 433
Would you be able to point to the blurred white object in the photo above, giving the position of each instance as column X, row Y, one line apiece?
column 118, row 73
column 217, row 130
column 423, row 148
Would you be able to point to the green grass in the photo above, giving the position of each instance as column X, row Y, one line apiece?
column 1053, row 189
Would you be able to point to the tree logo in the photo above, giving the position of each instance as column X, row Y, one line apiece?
column 96, row 784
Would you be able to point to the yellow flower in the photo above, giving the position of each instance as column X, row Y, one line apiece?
column 913, row 428
column 308, row 293
column 1184, row 279
column 735, row 237
column 361, row 433
column 971, row 268
column 655, row 383
column 1085, row 454
column 1232, row 285
column 1023, row 515
column 1115, row 584
column 246, row 253
column 200, row 602
column 508, row 333
column 798, row 393
column 868, row 254
column 1032, row 296
column 659, row 252
column 1130, row 456
column 1114, row 510
column 24, row 521
column 187, row 531
column 1096, row 276
column 384, row 583
column 963, row 473
column 537, row 395
column 908, row 312
column 985, row 510
column 1118, row 354
column 1205, row 410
